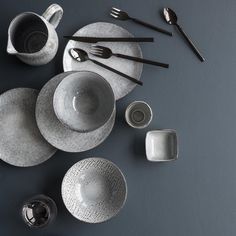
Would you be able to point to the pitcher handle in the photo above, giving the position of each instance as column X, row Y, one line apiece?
column 53, row 14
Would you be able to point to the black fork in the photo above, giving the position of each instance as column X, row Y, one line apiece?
column 105, row 52
column 122, row 15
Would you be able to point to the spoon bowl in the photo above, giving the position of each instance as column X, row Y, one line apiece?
column 79, row 54
column 170, row 16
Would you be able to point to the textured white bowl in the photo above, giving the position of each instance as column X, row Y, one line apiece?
column 94, row 190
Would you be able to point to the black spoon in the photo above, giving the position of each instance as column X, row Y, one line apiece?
column 80, row 55
column 171, row 18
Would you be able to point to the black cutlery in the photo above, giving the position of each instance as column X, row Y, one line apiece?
column 108, row 39
column 171, row 18
column 122, row 15
column 81, row 56
column 106, row 53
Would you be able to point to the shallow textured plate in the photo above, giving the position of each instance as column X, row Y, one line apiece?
column 56, row 133
column 94, row 190
column 120, row 85
column 21, row 143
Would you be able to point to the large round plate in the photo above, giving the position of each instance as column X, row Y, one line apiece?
column 120, row 85
column 59, row 135
column 21, row 143
column 94, row 190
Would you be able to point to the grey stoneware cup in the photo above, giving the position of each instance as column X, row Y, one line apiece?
column 138, row 114
column 33, row 38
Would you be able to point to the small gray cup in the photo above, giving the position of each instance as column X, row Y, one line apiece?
column 138, row 114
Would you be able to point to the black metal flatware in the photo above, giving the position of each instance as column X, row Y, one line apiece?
column 171, row 18
column 80, row 55
column 106, row 53
column 108, row 39
column 122, row 15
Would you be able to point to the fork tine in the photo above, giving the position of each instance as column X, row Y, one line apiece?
column 96, row 54
column 115, row 16
column 116, row 9
column 115, row 12
column 95, row 51
column 98, row 47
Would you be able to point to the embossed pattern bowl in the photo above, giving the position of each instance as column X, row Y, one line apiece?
column 83, row 101
column 94, row 190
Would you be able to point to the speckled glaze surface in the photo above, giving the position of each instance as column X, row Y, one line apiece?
column 21, row 143
column 120, row 85
column 161, row 145
column 56, row 133
column 38, row 36
column 84, row 101
column 94, row 190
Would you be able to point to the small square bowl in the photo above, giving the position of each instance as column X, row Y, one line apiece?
column 161, row 145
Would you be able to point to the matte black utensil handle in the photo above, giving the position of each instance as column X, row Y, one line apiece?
column 145, row 39
column 151, row 26
column 196, row 51
column 155, row 63
column 117, row 72
column 108, row 39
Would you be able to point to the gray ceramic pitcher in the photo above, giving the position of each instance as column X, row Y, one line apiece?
column 32, row 38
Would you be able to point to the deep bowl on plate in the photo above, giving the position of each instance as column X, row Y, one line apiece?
column 94, row 190
column 83, row 101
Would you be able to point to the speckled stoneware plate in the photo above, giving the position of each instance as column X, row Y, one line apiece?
column 59, row 135
column 21, row 143
column 94, row 190
column 120, row 85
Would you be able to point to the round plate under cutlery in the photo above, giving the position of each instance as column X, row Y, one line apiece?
column 94, row 190
column 21, row 143
column 121, row 86
column 59, row 135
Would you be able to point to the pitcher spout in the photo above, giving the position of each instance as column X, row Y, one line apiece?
column 10, row 47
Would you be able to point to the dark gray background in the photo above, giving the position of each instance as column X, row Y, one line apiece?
column 192, row 196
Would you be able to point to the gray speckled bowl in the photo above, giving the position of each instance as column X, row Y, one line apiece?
column 83, row 101
column 94, row 190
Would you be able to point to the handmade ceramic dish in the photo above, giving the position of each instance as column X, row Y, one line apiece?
column 94, row 190
column 56, row 133
column 83, row 101
column 21, row 143
column 32, row 38
column 138, row 114
column 161, row 145
column 121, row 86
